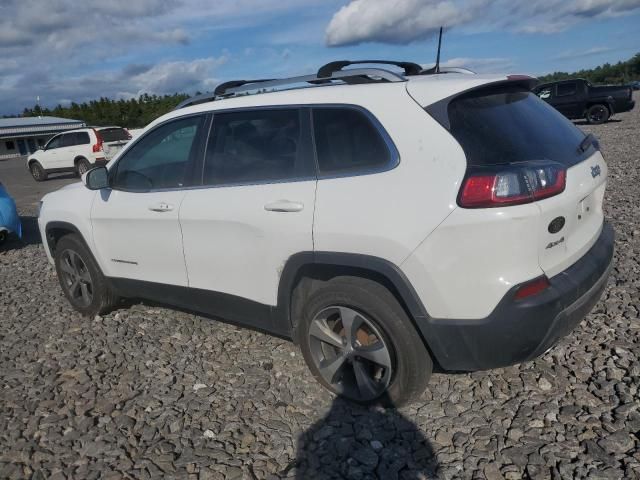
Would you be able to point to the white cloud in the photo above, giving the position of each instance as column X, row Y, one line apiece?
column 392, row 21
column 404, row 21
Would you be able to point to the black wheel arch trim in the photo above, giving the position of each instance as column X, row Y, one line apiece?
column 57, row 225
column 377, row 265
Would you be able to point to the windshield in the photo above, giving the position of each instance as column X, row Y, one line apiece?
column 496, row 127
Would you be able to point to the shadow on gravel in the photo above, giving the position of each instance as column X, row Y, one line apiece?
column 30, row 235
column 365, row 443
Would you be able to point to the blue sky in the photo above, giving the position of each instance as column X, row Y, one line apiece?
column 78, row 51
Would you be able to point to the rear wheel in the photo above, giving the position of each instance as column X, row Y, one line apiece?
column 38, row 173
column 81, row 280
column 82, row 166
column 597, row 114
column 360, row 344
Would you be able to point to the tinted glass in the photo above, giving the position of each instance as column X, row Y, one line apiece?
column 565, row 89
column 256, row 146
column 55, row 142
column 82, row 138
column 511, row 127
column 114, row 134
column 347, row 142
column 68, row 140
column 161, row 158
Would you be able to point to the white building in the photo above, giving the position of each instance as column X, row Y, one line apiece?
column 25, row 135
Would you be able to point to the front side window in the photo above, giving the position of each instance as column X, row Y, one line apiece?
column 161, row 159
column 545, row 93
column 55, row 142
column 565, row 89
column 256, row 146
column 347, row 142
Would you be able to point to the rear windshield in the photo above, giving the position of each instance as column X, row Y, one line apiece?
column 498, row 127
column 114, row 134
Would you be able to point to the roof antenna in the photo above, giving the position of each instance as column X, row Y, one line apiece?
column 437, row 67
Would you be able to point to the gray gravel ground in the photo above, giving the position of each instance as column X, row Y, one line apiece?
column 148, row 392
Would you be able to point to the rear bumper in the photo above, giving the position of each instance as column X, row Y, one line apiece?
column 517, row 331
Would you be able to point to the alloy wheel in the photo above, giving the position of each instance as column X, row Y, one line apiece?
column 350, row 353
column 76, row 278
column 35, row 171
column 597, row 114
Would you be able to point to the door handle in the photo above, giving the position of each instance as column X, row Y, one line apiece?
column 284, row 206
column 161, row 207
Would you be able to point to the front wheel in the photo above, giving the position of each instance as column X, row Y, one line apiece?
column 597, row 114
column 81, row 280
column 38, row 173
column 359, row 343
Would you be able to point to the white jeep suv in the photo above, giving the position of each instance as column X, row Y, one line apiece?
column 77, row 151
column 388, row 222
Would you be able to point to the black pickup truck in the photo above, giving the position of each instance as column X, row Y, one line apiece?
column 577, row 98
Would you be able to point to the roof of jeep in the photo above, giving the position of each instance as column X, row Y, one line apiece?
column 426, row 89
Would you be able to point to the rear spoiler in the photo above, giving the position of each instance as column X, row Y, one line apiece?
column 440, row 109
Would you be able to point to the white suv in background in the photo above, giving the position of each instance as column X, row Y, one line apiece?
column 77, row 150
column 385, row 221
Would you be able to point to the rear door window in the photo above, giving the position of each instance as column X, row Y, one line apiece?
column 348, row 143
column 68, row 140
column 257, row 146
column 500, row 127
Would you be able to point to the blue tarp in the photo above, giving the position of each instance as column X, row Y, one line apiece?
column 9, row 218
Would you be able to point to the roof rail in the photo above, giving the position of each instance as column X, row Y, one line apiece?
column 234, row 87
column 431, row 71
column 327, row 70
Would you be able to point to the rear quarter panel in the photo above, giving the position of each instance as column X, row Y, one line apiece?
column 388, row 214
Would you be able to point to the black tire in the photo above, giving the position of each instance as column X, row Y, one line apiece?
column 87, row 277
column 38, row 173
column 3, row 236
column 82, row 166
column 411, row 364
column 597, row 114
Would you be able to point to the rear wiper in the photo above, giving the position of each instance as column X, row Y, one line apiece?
column 587, row 142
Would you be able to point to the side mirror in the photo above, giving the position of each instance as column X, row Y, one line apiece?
column 96, row 179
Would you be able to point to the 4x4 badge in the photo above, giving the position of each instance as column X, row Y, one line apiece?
column 595, row 171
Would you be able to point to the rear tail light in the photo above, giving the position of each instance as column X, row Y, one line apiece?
column 532, row 288
column 500, row 185
column 97, row 147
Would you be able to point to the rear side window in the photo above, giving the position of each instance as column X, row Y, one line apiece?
column 114, row 134
column 512, row 126
column 256, row 146
column 82, row 138
column 347, row 142
column 565, row 89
